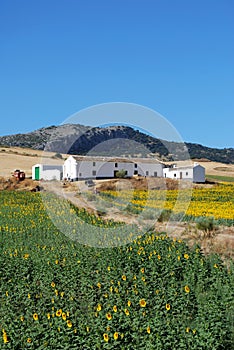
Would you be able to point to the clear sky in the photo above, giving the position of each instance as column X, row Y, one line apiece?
column 174, row 56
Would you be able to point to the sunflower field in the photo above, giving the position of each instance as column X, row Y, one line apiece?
column 151, row 293
column 216, row 202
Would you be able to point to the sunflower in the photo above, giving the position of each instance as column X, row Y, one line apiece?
column 186, row 256
column 69, row 324
column 35, row 316
column 126, row 312
column 108, row 316
column 129, row 303
column 115, row 308
column 99, row 307
column 106, row 337
column 29, row 340
column 142, row 303
column 64, row 316
column 116, row 335
column 124, row 277
column 148, row 330
column 58, row 313
column 168, row 306
column 52, row 284
column 187, row 289
column 4, row 336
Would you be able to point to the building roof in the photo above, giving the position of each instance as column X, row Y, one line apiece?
column 183, row 167
column 116, row 159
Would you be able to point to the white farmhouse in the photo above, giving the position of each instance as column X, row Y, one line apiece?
column 47, row 172
column 78, row 167
column 194, row 172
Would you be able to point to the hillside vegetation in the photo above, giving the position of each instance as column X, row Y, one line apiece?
column 80, row 139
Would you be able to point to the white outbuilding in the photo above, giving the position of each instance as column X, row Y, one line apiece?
column 47, row 172
column 194, row 173
column 78, row 167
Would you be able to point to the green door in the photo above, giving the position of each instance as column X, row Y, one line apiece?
column 37, row 173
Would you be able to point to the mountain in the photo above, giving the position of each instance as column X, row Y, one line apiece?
column 112, row 141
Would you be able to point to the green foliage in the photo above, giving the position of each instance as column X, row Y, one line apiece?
column 206, row 224
column 165, row 215
column 220, row 178
column 154, row 293
column 132, row 209
column 121, row 173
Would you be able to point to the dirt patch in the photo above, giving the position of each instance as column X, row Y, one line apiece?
column 223, row 168
column 141, row 183
column 12, row 184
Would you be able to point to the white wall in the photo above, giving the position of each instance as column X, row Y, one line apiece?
column 48, row 172
column 150, row 169
column 98, row 169
column 179, row 173
column 70, row 168
column 103, row 169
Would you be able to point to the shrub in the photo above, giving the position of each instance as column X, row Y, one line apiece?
column 165, row 215
column 121, row 173
column 206, row 224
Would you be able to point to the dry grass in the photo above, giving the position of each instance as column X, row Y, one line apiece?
column 12, row 183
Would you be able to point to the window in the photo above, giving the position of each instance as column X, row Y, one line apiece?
column 116, row 165
column 94, row 163
column 186, row 173
column 94, row 172
column 135, row 172
column 155, row 174
column 147, row 173
column 175, row 175
column 135, row 165
column 80, row 174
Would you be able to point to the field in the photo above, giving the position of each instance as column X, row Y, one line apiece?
column 220, row 178
column 216, row 202
column 149, row 292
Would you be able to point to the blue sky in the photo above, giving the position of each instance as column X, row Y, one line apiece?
column 173, row 56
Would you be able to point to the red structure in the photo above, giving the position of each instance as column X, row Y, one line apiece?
column 20, row 175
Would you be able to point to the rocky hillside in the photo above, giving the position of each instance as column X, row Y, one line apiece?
column 112, row 140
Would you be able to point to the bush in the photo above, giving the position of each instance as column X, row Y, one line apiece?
column 206, row 224
column 121, row 173
column 165, row 215
column 130, row 208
